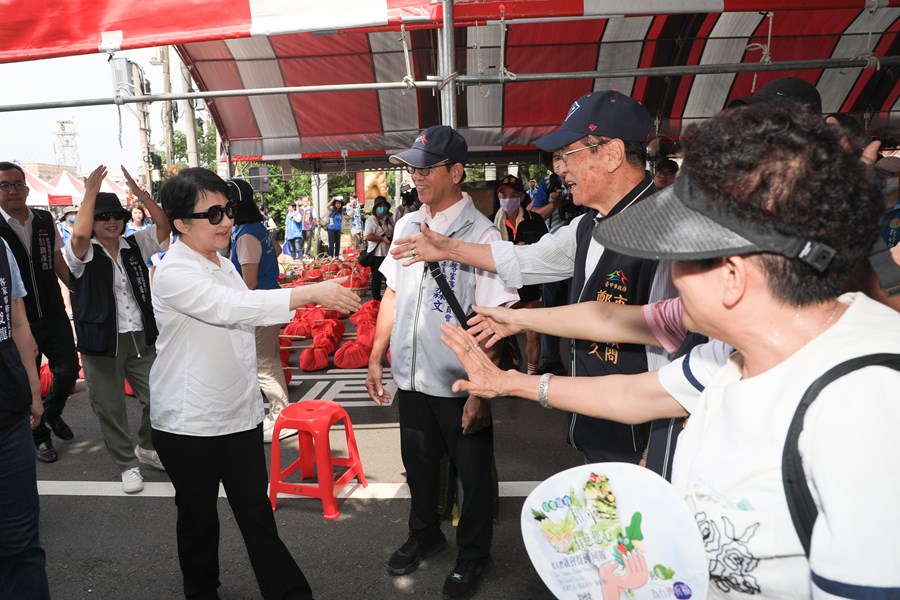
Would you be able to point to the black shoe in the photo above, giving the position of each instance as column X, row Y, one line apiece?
column 466, row 576
column 407, row 558
column 46, row 453
column 59, row 428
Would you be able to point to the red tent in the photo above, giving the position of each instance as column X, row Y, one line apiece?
column 41, row 193
column 512, row 81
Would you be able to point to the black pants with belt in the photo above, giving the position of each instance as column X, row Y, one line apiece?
column 196, row 465
column 429, row 426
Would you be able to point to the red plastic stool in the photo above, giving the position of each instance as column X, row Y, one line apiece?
column 313, row 419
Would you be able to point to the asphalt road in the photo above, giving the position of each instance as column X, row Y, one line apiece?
column 102, row 544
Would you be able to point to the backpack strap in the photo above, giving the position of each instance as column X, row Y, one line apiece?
column 799, row 499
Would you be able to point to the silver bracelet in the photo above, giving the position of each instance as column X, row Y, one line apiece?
column 543, row 389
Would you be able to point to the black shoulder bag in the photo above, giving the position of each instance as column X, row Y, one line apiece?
column 799, row 498
column 511, row 355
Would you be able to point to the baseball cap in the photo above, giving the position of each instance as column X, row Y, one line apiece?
column 609, row 114
column 434, row 146
column 510, row 181
column 667, row 164
column 785, row 88
column 109, row 202
column 681, row 223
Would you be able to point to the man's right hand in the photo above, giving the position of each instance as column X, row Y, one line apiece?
column 373, row 383
column 426, row 246
column 492, row 324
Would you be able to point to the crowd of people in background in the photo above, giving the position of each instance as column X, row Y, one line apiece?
column 699, row 295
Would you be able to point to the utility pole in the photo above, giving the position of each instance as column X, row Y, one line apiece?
column 167, row 107
column 190, row 122
column 143, row 125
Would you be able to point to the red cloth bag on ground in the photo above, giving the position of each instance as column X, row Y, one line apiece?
column 352, row 355
column 301, row 328
column 313, row 359
column 365, row 335
column 287, row 376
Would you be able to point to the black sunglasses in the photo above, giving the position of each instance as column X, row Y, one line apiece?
column 110, row 216
column 215, row 213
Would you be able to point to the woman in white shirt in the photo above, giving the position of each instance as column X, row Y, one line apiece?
column 205, row 410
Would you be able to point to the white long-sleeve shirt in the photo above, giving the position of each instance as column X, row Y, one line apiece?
column 203, row 382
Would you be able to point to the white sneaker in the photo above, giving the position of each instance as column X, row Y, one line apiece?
column 269, row 429
column 148, row 457
column 132, row 481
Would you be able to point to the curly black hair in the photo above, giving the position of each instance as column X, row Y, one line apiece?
column 780, row 167
column 179, row 194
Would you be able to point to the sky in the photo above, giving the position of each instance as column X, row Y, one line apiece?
column 30, row 136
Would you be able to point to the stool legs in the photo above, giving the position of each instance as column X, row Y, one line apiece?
column 313, row 423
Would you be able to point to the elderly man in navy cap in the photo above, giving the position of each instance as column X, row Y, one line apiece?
column 433, row 418
column 599, row 152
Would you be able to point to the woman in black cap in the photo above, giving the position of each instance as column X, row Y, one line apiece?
column 113, row 315
column 378, row 233
column 256, row 259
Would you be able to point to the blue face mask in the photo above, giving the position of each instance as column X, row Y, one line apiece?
column 71, row 220
column 380, row 210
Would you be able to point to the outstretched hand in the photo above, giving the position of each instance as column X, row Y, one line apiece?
column 492, row 324
column 485, row 378
column 331, row 294
column 93, row 181
column 132, row 184
column 426, row 246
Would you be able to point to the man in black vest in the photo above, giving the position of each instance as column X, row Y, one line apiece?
column 35, row 242
column 599, row 152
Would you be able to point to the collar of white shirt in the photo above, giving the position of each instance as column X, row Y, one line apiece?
column 441, row 221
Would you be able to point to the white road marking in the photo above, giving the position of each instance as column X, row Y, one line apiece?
column 353, row 491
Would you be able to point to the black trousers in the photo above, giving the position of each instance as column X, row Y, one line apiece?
column 377, row 278
column 55, row 340
column 196, row 465
column 429, row 426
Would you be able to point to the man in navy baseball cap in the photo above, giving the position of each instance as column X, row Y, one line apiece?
column 599, row 152
column 609, row 114
column 436, row 145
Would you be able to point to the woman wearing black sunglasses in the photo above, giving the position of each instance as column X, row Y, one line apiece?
column 113, row 314
column 206, row 410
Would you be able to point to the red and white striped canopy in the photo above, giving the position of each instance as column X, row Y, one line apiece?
column 247, row 44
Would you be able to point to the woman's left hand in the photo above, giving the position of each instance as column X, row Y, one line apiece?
column 132, row 184
column 485, row 378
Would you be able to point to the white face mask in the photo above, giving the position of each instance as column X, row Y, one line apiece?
column 890, row 185
column 509, row 205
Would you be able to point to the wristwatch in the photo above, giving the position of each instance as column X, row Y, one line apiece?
column 543, row 390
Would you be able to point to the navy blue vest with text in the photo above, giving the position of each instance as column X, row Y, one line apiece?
column 38, row 273
column 94, row 307
column 623, row 280
column 15, row 391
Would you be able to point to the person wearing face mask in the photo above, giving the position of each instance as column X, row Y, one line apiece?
column 522, row 227
column 66, row 222
column 114, row 319
column 378, row 233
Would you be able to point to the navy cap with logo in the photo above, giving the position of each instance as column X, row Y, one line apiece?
column 510, row 181
column 109, row 203
column 791, row 89
column 682, row 223
column 436, row 145
column 609, row 114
